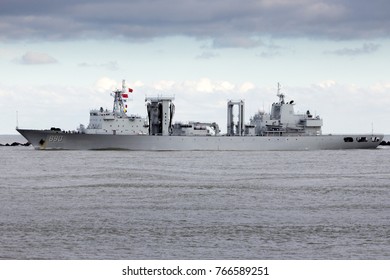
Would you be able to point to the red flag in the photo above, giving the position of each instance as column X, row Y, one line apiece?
column 130, row 90
column 125, row 95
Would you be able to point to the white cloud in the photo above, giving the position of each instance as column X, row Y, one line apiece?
column 247, row 86
column 164, row 85
column 138, row 84
column 31, row 58
column 226, row 86
column 106, row 84
column 207, row 85
column 383, row 88
column 326, row 84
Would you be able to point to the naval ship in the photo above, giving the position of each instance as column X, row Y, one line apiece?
column 280, row 129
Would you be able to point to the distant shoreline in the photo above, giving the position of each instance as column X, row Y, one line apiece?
column 15, row 144
column 14, row 139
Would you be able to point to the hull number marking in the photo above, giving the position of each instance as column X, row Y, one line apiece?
column 56, row 138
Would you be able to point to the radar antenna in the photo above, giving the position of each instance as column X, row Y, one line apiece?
column 17, row 120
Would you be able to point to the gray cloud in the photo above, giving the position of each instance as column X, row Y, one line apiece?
column 367, row 48
column 237, row 42
column 220, row 20
column 207, row 55
column 269, row 54
column 111, row 65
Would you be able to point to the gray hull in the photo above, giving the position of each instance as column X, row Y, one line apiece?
column 52, row 140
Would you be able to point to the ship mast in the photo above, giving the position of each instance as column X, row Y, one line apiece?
column 120, row 97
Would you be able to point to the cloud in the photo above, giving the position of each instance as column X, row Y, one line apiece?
column 105, row 84
column 31, row 58
column 207, row 55
column 236, row 42
column 367, row 48
column 270, row 50
column 247, row 86
column 111, row 65
column 269, row 53
column 164, row 85
column 223, row 21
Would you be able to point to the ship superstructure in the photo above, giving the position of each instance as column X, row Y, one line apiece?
column 115, row 121
column 282, row 120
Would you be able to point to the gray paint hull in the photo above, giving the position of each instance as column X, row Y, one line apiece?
column 46, row 139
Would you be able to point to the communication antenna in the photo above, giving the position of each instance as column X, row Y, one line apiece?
column 17, row 120
column 280, row 94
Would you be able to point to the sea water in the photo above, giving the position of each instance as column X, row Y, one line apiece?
column 194, row 205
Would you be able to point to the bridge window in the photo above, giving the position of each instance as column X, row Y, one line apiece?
column 348, row 139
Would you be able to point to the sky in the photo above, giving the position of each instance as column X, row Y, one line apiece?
column 59, row 59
